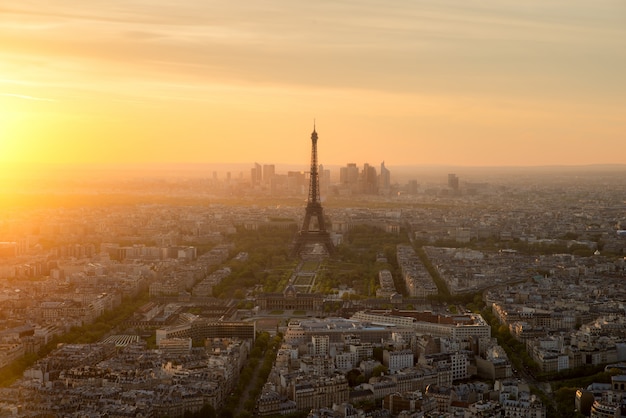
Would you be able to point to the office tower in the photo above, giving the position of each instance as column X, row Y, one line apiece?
column 349, row 174
column 384, row 180
column 269, row 171
column 369, row 180
column 256, row 174
column 324, row 180
column 453, row 181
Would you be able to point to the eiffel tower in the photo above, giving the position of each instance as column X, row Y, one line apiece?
column 307, row 237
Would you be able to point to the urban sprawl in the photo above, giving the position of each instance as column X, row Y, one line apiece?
column 537, row 257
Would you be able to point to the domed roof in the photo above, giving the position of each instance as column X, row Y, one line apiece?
column 290, row 291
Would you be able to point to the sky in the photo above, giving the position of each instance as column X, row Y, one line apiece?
column 441, row 82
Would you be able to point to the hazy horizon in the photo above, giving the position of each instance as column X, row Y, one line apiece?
column 241, row 171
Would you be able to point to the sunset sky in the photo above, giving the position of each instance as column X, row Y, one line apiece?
column 490, row 82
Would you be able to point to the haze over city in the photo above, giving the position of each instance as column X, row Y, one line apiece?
column 312, row 209
column 491, row 83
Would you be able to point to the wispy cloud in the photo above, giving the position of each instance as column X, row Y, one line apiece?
column 396, row 45
column 27, row 97
column 394, row 61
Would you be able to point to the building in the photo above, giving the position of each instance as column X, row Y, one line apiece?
column 320, row 345
column 201, row 329
column 300, row 331
column 175, row 346
column 369, row 180
column 398, row 360
column 290, row 299
column 453, row 182
column 320, row 392
column 410, row 402
column 603, row 399
column 384, row 180
column 461, row 327
column 269, row 171
column 256, row 174
column 349, row 175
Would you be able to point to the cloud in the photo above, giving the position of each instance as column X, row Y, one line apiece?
column 400, row 45
column 27, row 97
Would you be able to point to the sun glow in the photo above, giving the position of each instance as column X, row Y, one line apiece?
column 138, row 83
column 8, row 143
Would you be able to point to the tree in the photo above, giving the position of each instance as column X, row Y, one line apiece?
column 378, row 354
column 379, row 370
column 207, row 411
column 354, row 376
column 564, row 398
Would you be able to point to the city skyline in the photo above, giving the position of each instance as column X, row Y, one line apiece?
column 446, row 83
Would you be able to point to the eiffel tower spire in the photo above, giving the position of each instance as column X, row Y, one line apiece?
column 314, row 183
column 308, row 234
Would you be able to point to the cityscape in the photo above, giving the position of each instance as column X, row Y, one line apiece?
column 253, row 295
column 327, row 209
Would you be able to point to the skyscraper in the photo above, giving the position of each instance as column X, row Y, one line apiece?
column 453, row 182
column 369, row 179
column 384, row 179
column 349, row 174
column 256, row 174
column 269, row 171
column 324, row 180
